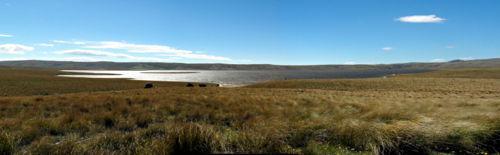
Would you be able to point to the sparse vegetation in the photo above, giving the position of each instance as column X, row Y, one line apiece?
column 397, row 115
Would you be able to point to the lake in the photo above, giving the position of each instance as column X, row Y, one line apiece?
column 227, row 77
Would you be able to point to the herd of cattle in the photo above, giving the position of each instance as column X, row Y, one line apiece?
column 151, row 85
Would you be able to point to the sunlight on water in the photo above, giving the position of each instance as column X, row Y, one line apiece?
column 223, row 77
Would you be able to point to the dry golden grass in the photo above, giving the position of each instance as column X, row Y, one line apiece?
column 401, row 115
column 483, row 73
column 24, row 82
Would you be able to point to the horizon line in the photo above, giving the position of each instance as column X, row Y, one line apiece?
column 461, row 60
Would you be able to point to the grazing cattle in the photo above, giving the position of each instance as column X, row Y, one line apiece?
column 217, row 85
column 148, row 85
column 189, row 85
column 202, row 85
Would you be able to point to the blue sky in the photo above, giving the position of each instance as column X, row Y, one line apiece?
column 250, row 31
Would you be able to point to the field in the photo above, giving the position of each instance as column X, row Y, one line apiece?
column 453, row 111
column 25, row 82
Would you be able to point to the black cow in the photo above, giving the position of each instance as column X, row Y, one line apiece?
column 189, row 85
column 148, row 85
column 202, row 85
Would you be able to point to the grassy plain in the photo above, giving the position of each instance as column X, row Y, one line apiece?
column 25, row 82
column 407, row 114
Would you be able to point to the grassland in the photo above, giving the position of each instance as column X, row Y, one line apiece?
column 25, row 82
column 483, row 73
column 408, row 114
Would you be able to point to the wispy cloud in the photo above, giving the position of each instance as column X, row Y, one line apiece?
column 387, row 49
column 421, row 19
column 6, row 35
column 101, row 48
column 350, row 63
column 164, row 50
column 102, row 55
column 449, row 47
column 196, row 56
column 80, row 59
column 438, row 60
column 14, row 49
column 69, row 42
column 95, row 53
column 13, row 59
column 467, row 58
column 45, row 45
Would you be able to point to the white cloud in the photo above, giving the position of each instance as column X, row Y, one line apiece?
column 144, row 48
column 467, row 58
column 421, row 19
column 103, row 54
column 387, row 49
column 15, row 49
column 449, row 47
column 13, row 59
column 45, row 45
column 242, row 61
column 95, row 53
column 197, row 56
column 80, row 59
column 438, row 60
column 6, row 35
column 350, row 63
column 69, row 42
column 166, row 51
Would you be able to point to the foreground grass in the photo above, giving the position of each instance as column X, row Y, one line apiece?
column 24, row 82
column 401, row 115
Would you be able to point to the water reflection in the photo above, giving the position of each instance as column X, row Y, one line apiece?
column 227, row 77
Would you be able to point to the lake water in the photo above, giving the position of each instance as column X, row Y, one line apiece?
column 226, row 77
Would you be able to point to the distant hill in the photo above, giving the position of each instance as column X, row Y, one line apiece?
column 455, row 64
column 483, row 63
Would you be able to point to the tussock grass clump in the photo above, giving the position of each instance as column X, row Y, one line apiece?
column 193, row 138
column 116, row 142
column 321, row 148
column 51, row 145
column 489, row 140
column 6, row 144
column 106, row 120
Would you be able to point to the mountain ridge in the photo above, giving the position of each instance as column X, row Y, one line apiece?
column 105, row 65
